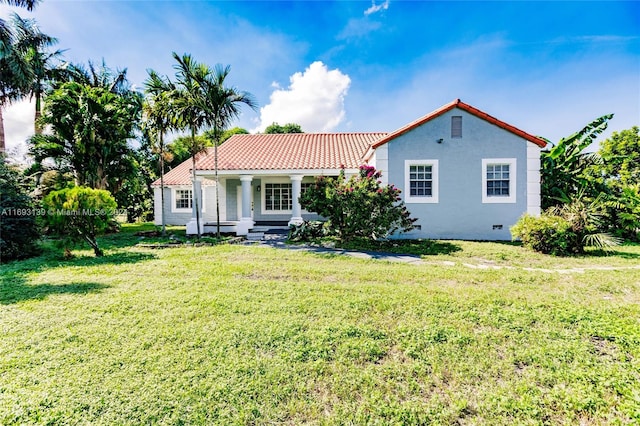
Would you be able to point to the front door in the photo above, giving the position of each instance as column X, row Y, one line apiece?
column 239, row 201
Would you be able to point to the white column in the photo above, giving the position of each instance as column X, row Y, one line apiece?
column 246, row 222
column 192, row 226
column 296, row 189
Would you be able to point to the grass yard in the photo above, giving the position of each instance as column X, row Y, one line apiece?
column 254, row 335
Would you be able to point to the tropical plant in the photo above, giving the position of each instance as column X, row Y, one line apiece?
column 25, row 64
column 90, row 131
column 203, row 101
column 19, row 230
column 157, row 120
column 188, row 108
column 567, row 228
column 564, row 168
column 79, row 214
column 221, row 106
column 358, row 206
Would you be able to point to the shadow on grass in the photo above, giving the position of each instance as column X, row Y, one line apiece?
column 408, row 247
column 16, row 290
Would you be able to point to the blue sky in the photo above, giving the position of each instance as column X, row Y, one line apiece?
column 546, row 67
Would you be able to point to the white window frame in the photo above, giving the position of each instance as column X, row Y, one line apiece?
column 434, row 198
column 174, row 198
column 497, row 199
column 263, row 195
column 190, row 209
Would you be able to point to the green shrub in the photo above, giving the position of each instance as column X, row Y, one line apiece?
column 79, row 214
column 19, row 231
column 549, row 234
column 308, row 230
column 359, row 206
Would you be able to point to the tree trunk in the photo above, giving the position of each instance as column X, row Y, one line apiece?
column 94, row 245
column 2, row 146
column 162, row 185
column 195, row 197
column 215, row 158
column 36, row 119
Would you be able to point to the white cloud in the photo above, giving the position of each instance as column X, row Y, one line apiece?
column 377, row 7
column 314, row 100
column 18, row 124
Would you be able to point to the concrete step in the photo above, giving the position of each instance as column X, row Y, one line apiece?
column 255, row 236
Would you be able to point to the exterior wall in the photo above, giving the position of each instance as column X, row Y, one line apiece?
column 459, row 212
column 180, row 218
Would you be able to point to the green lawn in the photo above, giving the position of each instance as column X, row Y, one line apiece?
column 253, row 335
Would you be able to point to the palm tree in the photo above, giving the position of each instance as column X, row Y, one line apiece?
column 25, row 65
column 31, row 45
column 188, row 107
column 222, row 105
column 29, row 4
column 158, row 119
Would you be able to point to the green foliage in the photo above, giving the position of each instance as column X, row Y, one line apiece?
column 287, row 128
column 180, row 149
column 621, row 157
column 548, row 234
column 79, row 214
column 566, row 229
column 308, row 230
column 358, row 206
column 622, row 212
column 91, row 127
column 564, row 169
column 210, row 134
column 19, row 231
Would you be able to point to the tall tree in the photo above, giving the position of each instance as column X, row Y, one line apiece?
column 91, row 127
column 188, row 107
column 43, row 66
column 158, row 120
column 222, row 106
column 25, row 64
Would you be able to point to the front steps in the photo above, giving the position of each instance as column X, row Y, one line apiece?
column 258, row 233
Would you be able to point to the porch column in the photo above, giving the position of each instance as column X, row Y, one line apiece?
column 192, row 227
column 246, row 222
column 296, row 186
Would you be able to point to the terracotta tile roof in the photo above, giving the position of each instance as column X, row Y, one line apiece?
column 465, row 107
column 181, row 174
column 292, row 151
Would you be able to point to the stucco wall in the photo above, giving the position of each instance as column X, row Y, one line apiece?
column 460, row 212
column 173, row 217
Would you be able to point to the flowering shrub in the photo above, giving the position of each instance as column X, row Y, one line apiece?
column 358, row 206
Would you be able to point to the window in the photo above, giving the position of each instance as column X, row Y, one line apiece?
column 277, row 196
column 498, row 180
column 183, row 198
column 456, row 126
column 421, row 181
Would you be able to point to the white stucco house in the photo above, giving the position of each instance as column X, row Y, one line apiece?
column 463, row 174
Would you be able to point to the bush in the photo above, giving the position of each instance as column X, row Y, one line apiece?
column 79, row 214
column 359, row 206
column 308, row 230
column 547, row 234
column 19, row 231
column 566, row 229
